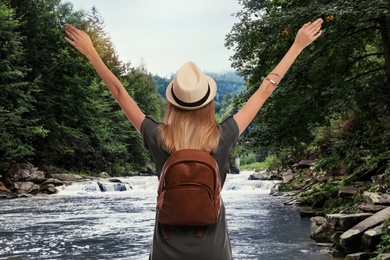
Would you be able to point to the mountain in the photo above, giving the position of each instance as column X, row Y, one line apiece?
column 227, row 83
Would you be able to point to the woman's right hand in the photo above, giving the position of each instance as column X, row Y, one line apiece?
column 308, row 33
column 79, row 39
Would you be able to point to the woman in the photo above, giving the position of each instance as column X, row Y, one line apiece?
column 190, row 123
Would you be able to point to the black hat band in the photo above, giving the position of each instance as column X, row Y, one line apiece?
column 193, row 104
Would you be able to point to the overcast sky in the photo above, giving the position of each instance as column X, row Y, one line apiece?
column 164, row 34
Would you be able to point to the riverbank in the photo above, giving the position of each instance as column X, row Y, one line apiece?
column 352, row 221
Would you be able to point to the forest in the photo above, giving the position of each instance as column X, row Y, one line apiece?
column 332, row 106
column 55, row 112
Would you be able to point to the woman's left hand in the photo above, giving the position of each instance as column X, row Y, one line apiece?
column 79, row 39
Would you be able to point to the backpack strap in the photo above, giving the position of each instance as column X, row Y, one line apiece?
column 201, row 231
column 165, row 229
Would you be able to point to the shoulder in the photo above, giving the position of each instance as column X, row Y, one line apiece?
column 229, row 126
column 149, row 124
column 149, row 129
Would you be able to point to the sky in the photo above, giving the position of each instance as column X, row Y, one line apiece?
column 164, row 34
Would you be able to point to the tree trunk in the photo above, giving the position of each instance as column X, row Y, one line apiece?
column 384, row 29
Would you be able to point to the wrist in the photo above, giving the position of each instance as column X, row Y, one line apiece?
column 297, row 48
column 92, row 55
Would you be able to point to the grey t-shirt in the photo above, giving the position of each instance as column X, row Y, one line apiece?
column 183, row 242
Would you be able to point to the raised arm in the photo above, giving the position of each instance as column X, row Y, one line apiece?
column 305, row 36
column 82, row 42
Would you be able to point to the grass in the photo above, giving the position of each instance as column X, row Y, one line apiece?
column 269, row 162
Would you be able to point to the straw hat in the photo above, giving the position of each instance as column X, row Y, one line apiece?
column 191, row 89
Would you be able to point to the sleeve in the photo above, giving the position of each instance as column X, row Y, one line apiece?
column 148, row 127
column 230, row 132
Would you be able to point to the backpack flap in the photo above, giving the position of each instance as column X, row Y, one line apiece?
column 189, row 189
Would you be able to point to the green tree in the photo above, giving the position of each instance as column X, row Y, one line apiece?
column 16, row 99
column 55, row 108
column 345, row 70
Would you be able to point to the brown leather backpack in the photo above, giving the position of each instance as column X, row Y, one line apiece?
column 189, row 192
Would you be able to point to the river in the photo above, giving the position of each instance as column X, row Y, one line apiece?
column 81, row 222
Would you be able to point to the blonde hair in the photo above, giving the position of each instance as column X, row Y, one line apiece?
column 189, row 129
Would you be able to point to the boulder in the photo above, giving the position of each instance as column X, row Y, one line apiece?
column 351, row 239
column 146, row 171
column 323, row 233
column 317, row 221
column 305, row 212
column 234, row 170
column 376, row 198
column 3, row 188
column 53, row 181
column 25, row 187
column 37, row 177
column 348, row 191
column 104, row 175
column 385, row 256
column 372, row 237
column 304, row 163
column 48, row 189
column 67, row 177
column 265, row 176
column 359, row 256
column 371, row 207
column 287, row 176
column 343, row 222
column 22, row 174
column 8, row 183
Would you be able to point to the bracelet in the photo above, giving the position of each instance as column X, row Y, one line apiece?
column 276, row 74
column 273, row 82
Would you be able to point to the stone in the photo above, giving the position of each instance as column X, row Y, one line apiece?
column 3, row 188
column 323, row 233
column 234, row 170
column 371, row 207
column 351, row 239
column 67, row 177
column 104, row 175
column 376, row 198
column 37, row 177
column 25, row 187
column 348, row 191
column 287, row 176
column 316, row 222
column 48, row 189
column 372, row 237
column 8, row 183
column 343, row 222
column 385, row 256
column 53, row 181
column 307, row 212
column 335, row 238
column 22, row 174
column 265, row 176
column 359, row 256
column 146, row 171
column 304, row 164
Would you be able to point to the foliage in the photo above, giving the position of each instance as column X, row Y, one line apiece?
column 16, row 100
column 270, row 162
column 334, row 102
column 54, row 110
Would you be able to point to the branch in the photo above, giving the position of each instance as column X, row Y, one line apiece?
column 361, row 75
